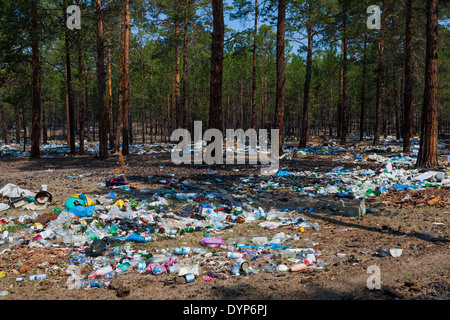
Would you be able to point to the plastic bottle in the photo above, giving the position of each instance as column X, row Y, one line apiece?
column 198, row 250
column 185, row 250
column 298, row 267
column 320, row 263
column 268, row 268
column 80, row 260
column 279, row 238
column 184, row 196
column 234, row 255
column 310, row 258
column 235, row 240
column 316, row 226
column 261, row 213
column 38, row 276
column 259, row 240
column 136, row 260
column 101, row 272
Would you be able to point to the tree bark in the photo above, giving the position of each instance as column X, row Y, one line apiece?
column 304, row 136
column 103, row 127
column 344, row 102
column 142, row 103
column 36, row 95
column 177, row 107
column 110, row 97
column 380, row 82
column 217, row 45
column 185, row 69
column 80, row 94
column 44, row 124
column 408, row 108
column 253, row 102
column 281, row 76
column 427, row 157
column 69, row 97
column 17, row 122
column 121, row 87
column 363, row 93
column 126, row 79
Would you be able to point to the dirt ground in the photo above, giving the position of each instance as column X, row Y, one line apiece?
column 348, row 244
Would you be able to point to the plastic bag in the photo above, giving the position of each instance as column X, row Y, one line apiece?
column 212, row 242
column 82, row 211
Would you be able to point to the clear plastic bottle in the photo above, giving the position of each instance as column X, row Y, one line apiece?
column 259, row 240
column 235, row 240
column 310, row 258
column 137, row 259
column 316, row 226
column 298, row 267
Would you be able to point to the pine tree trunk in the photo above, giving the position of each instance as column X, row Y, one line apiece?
column 330, row 108
column 4, row 128
column 217, row 45
column 241, row 103
column 408, row 107
column 253, row 102
column 130, row 112
column 363, row 92
column 142, row 103
column 126, row 80
column 339, row 105
column 177, row 107
column 185, row 70
column 380, row 82
column 80, row 94
column 281, row 77
column 304, row 136
column 44, row 124
column 36, row 95
column 344, row 102
column 110, row 97
column 427, row 157
column 121, row 87
column 17, row 122
column 103, row 127
column 69, row 97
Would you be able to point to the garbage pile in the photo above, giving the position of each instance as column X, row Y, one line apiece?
column 101, row 231
column 359, row 183
column 56, row 149
column 107, row 233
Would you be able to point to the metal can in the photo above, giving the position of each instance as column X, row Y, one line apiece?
column 243, row 265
